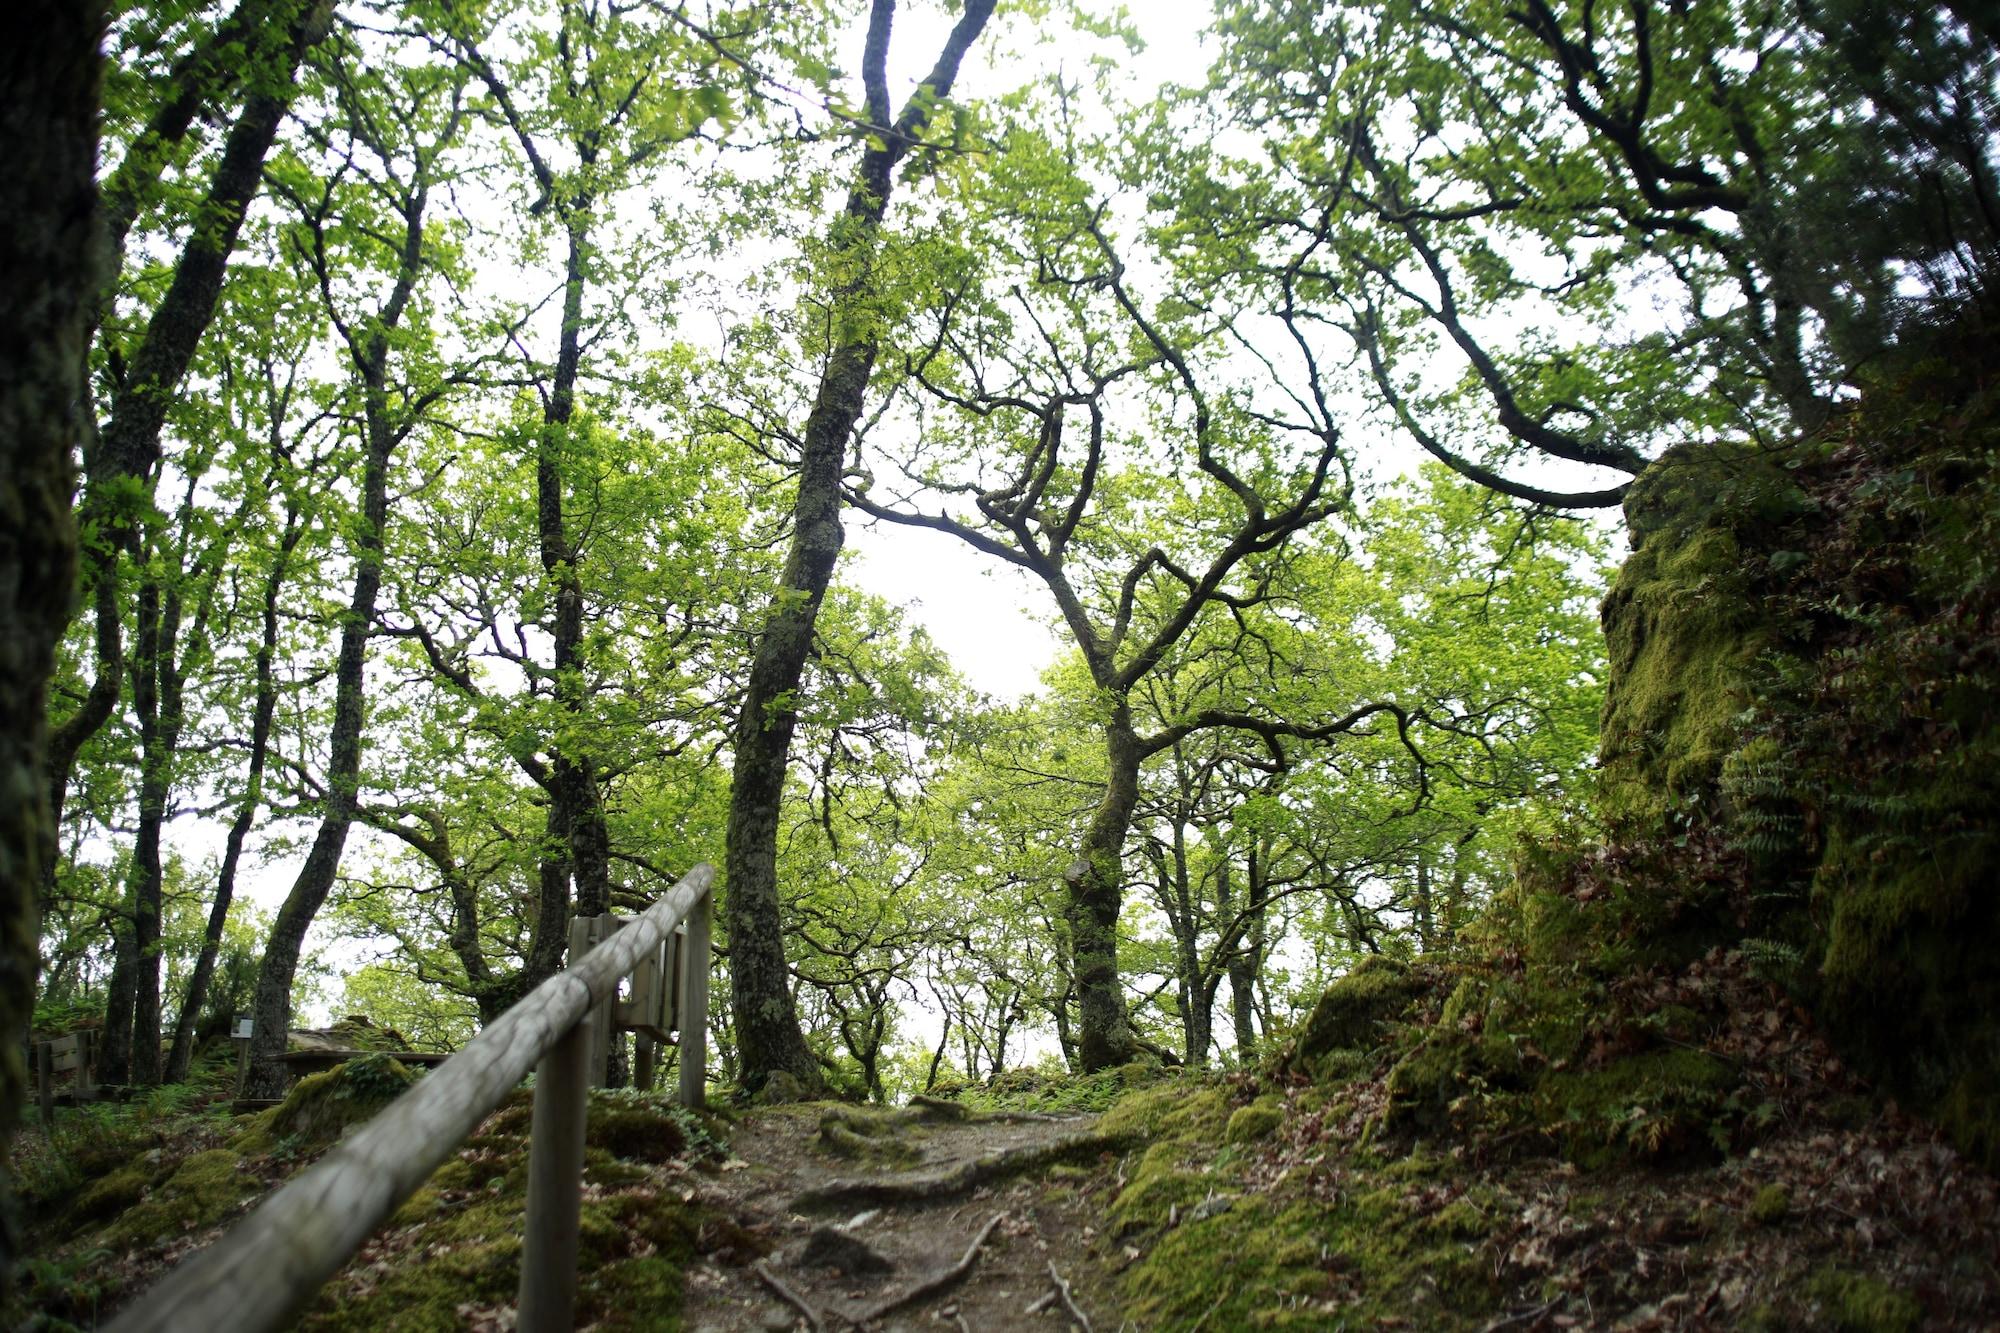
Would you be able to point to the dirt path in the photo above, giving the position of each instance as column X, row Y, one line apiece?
column 910, row 1221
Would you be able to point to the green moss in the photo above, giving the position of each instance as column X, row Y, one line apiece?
column 1772, row 1205
column 1044, row 1089
column 1355, row 1011
column 1167, row 1178
column 1682, row 632
column 200, row 1192
column 114, row 1193
column 322, row 1107
column 1646, row 1106
column 1461, row 1218
column 1263, row 1264
column 1255, row 1121
column 1182, row 1105
column 1855, row 1303
column 633, row 1130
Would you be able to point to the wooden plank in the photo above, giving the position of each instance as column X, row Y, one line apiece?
column 694, row 1008
column 272, row 1262
column 674, row 952
column 645, row 1062
column 585, row 934
column 547, row 1297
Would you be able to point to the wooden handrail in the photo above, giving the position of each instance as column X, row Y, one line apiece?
column 273, row 1261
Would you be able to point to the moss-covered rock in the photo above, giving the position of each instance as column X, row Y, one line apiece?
column 322, row 1107
column 112, row 1194
column 633, row 1130
column 201, row 1191
column 1353, row 1013
column 1804, row 653
column 1249, row 1123
column 1683, row 629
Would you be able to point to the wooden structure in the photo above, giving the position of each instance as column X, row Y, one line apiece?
column 651, row 1008
column 272, row 1262
column 74, row 1055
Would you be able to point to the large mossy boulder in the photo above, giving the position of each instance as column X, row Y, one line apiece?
column 321, row 1108
column 1805, row 655
column 1353, row 1014
column 1686, row 626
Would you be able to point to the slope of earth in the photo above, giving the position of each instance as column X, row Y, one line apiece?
column 933, row 1215
column 118, row 1195
column 1375, row 1182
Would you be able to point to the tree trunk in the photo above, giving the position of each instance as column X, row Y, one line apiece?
column 1096, row 880
column 48, row 119
column 766, row 1017
column 1248, row 959
column 263, row 713
column 114, row 1052
column 1426, row 929
column 156, row 694
column 272, row 1008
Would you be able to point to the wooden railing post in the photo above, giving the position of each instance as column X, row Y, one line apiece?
column 264, row 1270
column 645, row 1060
column 694, row 1005
column 555, row 1185
column 45, row 1080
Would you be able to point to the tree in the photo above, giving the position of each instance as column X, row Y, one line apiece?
column 48, row 111
column 1111, row 444
column 605, row 104
column 1628, row 224
column 382, row 216
column 766, row 1020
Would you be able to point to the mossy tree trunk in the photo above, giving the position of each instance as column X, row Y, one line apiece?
column 768, row 1037
column 1096, row 893
column 272, row 1007
column 48, row 194
column 369, row 343
column 1246, row 962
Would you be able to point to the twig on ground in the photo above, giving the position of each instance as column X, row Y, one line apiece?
column 1520, row 1317
column 938, row 1282
column 1076, row 1313
column 1041, row 1302
column 798, row 1302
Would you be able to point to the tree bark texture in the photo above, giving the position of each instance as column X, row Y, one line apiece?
column 48, row 197
column 1248, row 959
column 1096, row 882
column 264, row 713
column 766, row 1017
column 272, row 1008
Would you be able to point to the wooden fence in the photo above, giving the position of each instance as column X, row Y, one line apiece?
column 271, row 1263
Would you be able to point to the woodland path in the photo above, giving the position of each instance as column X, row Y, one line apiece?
column 971, row 1228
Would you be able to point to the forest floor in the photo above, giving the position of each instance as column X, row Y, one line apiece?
column 1130, row 1199
column 898, row 1221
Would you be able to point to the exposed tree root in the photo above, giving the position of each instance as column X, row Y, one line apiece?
column 937, row 1282
column 924, row 1187
column 798, row 1302
column 1076, row 1313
